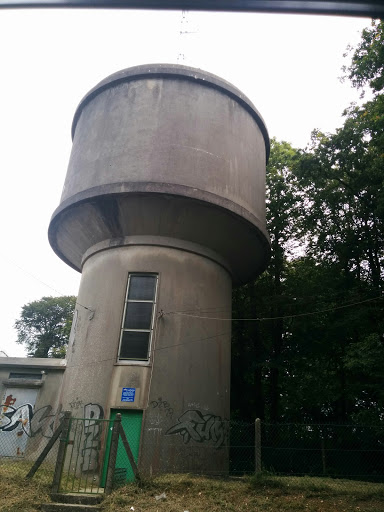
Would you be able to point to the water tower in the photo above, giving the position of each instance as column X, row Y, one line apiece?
column 162, row 212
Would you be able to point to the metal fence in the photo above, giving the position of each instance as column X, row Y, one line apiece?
column 339, row 451
column 83, row 469
column 77, row 455
column 89, row 447
column 23, row 437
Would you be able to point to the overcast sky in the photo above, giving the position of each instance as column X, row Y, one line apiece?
column 288, row 65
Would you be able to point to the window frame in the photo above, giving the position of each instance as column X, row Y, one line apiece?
column 126, row 360
column 22, row 375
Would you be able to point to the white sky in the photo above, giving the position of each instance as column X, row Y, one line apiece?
column 287, row 65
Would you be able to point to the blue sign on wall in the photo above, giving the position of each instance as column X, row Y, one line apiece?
column 128, row 395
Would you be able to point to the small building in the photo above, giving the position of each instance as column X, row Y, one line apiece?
column 30, row 403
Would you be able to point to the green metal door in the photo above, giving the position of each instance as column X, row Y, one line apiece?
column 131, row 421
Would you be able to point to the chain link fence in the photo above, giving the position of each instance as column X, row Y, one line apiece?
column 23, row 441
column 243, row 445
column 83, row 463
column 338, row 451
column 353, row 452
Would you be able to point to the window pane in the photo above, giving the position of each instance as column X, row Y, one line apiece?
column 142, row 288
column 138, row 315
column 33, row 376
column 134, row 345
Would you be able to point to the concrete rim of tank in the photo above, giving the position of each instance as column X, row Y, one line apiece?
column 175, row 71
column 248, row 220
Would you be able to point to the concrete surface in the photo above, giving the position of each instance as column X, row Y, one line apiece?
column 166, row 151
column 166, row 176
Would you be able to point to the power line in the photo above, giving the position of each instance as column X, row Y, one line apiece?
column 193, row 341
column 298, row 301
column 200, row 310
column 334, row 308
column 35, row 277
column 47, row 285
column 207, row 338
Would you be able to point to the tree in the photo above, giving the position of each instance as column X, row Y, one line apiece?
column 318, row 353
column 343, row 179
column 44, row 326
column 332, row 355
column 282, row 221
column 367, row 66
column 257, row 349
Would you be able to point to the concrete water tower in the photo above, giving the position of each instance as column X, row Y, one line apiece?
column 162, row 211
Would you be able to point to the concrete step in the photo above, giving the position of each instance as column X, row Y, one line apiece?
column 77, row 498
column 69, row 507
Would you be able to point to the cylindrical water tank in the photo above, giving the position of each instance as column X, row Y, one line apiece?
column 164, row 153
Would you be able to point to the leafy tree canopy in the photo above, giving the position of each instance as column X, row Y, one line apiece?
column 317, row 351
column 44, row 326
column 367, row 66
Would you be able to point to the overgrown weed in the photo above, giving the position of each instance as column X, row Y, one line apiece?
column 266, row 479
column 19, row 493
column 265, row 493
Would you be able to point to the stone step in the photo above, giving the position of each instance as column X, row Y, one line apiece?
column 77, row 498
column 69, row 507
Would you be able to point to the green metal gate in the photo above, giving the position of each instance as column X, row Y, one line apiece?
column 83, row 463
column 96, row 455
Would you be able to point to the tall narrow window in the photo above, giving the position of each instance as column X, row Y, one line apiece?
column 136, row 331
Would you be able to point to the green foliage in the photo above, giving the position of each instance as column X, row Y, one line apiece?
column 318, row 352
column 258, row 348
column 44, row 326
column 367, row 66
column 343, row 179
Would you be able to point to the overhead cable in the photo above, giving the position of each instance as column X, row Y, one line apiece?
column 274, row 317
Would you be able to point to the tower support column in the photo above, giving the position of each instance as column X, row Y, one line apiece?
column 182, row 383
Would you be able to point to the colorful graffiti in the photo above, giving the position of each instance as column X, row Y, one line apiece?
column 199, row 427
column 15, row 417
column 32, row 422
column 17, row 421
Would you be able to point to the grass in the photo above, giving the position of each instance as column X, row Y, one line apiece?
column 19, row 494
column 266, row 493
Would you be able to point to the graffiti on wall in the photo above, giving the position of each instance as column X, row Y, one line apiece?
column 162, row 405
column 92, row 436
column 17, row 421
column 199, row 427
column 76, row 404
column 31, row 422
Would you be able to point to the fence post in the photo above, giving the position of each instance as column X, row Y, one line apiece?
column 45, row 452
column 112, row 454
column 323, row 459
column 257, row 446
column 61, row 452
